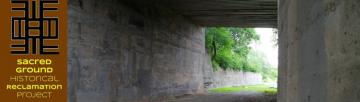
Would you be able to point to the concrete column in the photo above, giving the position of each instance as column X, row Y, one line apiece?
column 319, row 51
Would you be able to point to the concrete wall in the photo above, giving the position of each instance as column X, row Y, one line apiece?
column 120, row 53
column 228, row 78
column 319, row 44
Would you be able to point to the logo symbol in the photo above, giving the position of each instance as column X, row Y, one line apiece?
column 34, row 27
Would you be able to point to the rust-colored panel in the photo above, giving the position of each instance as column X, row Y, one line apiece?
column 33, row 58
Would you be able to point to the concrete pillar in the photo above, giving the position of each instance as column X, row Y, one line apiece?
column 319, row 51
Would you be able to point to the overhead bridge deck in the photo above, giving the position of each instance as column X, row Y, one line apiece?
column 240, row 13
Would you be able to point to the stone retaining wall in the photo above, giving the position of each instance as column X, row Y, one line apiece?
column 230, row 78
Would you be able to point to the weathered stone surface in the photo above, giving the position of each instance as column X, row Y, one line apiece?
column 228, row 78
column 319, row 51
column 121, row 54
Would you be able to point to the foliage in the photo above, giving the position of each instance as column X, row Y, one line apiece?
column 257, row 60
column 270, row 74
column 257, row 88
column 243, row 37
column 229, row 47
column 275, row 37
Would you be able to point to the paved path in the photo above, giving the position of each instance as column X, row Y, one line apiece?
column 227, row 97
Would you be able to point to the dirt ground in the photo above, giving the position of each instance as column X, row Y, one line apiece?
column 227, row 97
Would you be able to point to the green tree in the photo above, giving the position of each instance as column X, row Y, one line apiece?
column 229, row 47
column 257, row 60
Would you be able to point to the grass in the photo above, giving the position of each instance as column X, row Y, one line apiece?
column 256, row 88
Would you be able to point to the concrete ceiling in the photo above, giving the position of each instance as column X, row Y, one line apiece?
column 240, row 13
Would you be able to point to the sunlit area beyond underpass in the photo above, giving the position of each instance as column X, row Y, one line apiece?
column 244, row 65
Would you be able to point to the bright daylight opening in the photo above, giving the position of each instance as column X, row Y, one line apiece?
column 244, row 60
